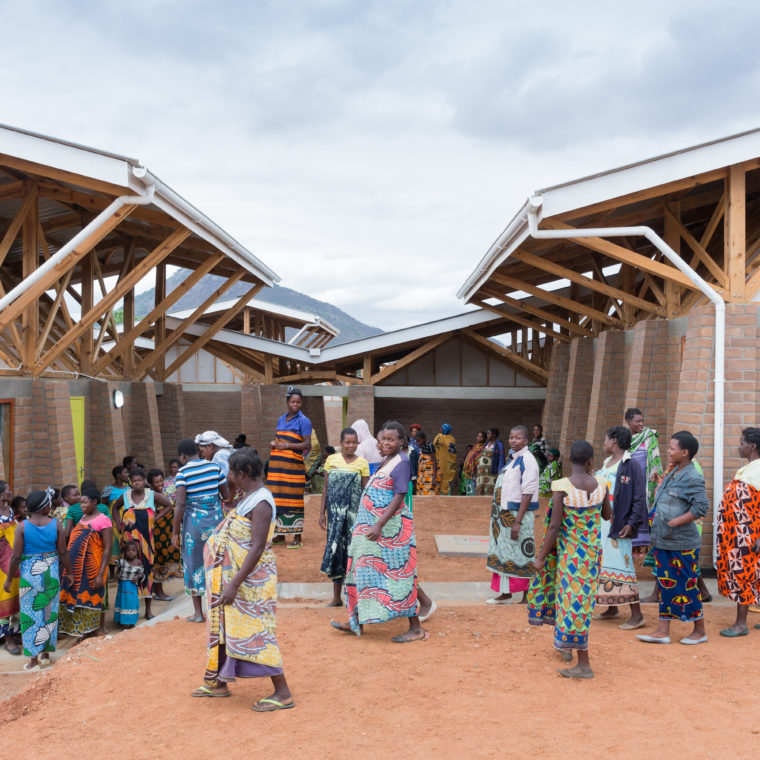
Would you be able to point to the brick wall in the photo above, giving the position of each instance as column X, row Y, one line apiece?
column 314, row 408
column 466, row 417
column 171, row 420
column 607, row 389
column 333, row 420
column 105, row 445
column 25, row 448
column 213, row 410
column 361, row 405
column 144, row 440
column 580, row 373
column 556, row 391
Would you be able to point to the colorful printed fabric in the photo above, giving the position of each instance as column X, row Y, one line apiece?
column 241, row 635
column 485, row 480
column 645, row 451
column 468, row 486
column 446, row 461
column 127, row 607
column 137, row 523
column 40, row 590
column 617, row 578
column 287, row 480
column 9, row 600
column 110, row 494
column 470, row 464
column 507, row 557
column 677, row 573
column 564, row 591
column 344, row 490
column 167, row 562
column 425, row 471
column 738, row 563
column 381, row 578
column 550, row 473
column 81, row 599
column 202, row 515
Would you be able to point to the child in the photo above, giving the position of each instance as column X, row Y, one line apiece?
column 129, row 571
column 511, row 548
column 564, row 590
column 69, row 495
column 83, row 591
column 552, row 471
column 18, row 505
column 37, row 547
column 680, row 501
column 166, row 563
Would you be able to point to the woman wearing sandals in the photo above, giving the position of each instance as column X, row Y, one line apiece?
column 628, row 494
column 241, row 591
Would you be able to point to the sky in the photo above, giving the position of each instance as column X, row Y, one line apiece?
column 370, row 152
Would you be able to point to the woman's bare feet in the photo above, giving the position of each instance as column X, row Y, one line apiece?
column 579, row 671
column 335, row 603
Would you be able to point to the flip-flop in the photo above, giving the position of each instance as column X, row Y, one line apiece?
column 206, row 692
column 687, row 640
column 653, row 639
column 289, row 546
column 195, row 619
column 433, row 608
column 339, row 627
column 568, row 674
column 630, row 627
column 729, row 634
column 163, row 598
column 275, row 705
column 500, row 601
column 401, row 640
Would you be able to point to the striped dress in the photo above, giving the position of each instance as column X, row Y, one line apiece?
column 287, row 477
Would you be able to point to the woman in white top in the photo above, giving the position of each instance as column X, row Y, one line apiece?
column 241, row 591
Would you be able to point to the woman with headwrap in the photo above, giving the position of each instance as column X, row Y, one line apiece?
column 38, row 544
column 367, row 448
column 214, row 448
column 470, row 466
column 446, row 457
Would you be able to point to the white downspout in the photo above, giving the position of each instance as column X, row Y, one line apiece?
column 720, row 327
column 83, row 234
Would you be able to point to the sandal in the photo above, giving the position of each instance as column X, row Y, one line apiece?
column 12, row 648
column 275, row 705
column 205, row 691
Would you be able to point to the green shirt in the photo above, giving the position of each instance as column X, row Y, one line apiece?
column 74, row 512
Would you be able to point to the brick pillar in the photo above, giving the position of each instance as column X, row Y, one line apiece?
column 144, row 439
column 580, row 374
column 53, row 433
column 607, row 389
column 361, row 405
column 105, row 446
column 26, row 444
column 171, row 419
column 314, row 408
column 556, row 393
column 260, row 408
column 695, row 408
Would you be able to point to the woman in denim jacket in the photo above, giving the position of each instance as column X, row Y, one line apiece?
column 680, row 500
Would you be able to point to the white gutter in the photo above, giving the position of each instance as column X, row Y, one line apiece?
column 534, row 206
column 83, row 234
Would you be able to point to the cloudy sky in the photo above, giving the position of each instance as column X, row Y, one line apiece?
column 370, row 152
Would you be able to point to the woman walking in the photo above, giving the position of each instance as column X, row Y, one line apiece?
column 287, row 476
column 446, row 457
column 346, row 475
column 738, row 561
column 680, row 500
column 491, row 461
column 469, row 468
column 201, row 486
column 241, row 591
column 564, row 589
column 381, row 579
column 38, row 546
column 627, row 492
column 511, row 545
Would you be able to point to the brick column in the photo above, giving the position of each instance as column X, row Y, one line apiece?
column 53, row 434
column 171, row 419
column 580, row 374
column 556, row 393
column 607, row 389
column 361, row 405
column 314, row 408
column 144, row 439
column 105, row 446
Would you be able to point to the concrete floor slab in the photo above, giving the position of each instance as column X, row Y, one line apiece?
column 462, row 546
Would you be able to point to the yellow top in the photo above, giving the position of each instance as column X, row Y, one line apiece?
column 750, row 474
column 336, row 462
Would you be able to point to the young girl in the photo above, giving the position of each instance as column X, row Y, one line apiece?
column 564, row 590
column 83, row 590
column 39, row 544
column 129, row 571
column 346, row 475
column 166, row 563
column 137, row 514
column 18, row 505
column 241, row 591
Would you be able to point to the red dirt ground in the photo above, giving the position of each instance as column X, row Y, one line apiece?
column 484, row 684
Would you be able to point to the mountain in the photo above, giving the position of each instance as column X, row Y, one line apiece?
column 350, row 328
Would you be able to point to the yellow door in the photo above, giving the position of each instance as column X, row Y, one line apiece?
column 77, row 420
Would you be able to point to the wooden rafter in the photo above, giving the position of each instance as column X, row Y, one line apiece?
column 735, row 233
column 701, row 256
column 522, row 320
column 425, row 348
column 30, row 201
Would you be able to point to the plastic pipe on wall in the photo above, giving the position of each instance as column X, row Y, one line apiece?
column 534, row 207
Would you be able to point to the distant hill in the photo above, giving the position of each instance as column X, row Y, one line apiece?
column 350, row 328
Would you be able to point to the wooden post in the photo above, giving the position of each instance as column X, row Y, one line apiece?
column 735, row 233
column 247, row 321
column 30, row 318
column 367, row 370
column 673, row 238
column 87, row 269
column 159, row 332
column 128, row 358
column 268, row 368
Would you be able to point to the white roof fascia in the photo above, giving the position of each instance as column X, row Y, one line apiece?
column 615, row 183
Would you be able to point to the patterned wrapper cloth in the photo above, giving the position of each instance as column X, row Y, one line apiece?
column 40, row 587
column 344, row 492
column 485, row 481
column 286, row 480
column 9, row 602
column 202, row 515
column 677, row 573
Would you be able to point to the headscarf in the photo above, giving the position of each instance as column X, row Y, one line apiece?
column 555, row 453
column 211, row 437
column 367, row 447
column 38, row 500
column 446, row 428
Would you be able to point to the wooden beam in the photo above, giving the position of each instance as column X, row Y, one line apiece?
column 712, row 225
column 521, row 320
column 672, row 237
column 158, row 310
column 367, row 369
column 34, row 291
column 572, row 327
column 128, row 355
column 30, row 319
column 61, row 289
column 159, row 331
column 599, row 286
column 425, row 348
column 700, row 253
column 554, row 298
column 521, row 362
column 268, row 369
column 126, row 283
column 735, row 233
column 30, row 202
column 201, row 341
column 626, row 256
column 175, row 334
